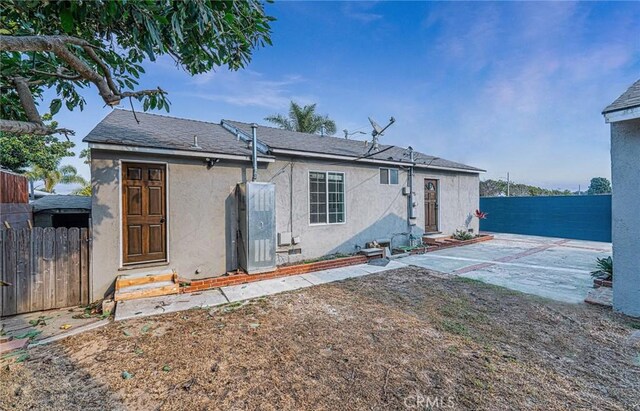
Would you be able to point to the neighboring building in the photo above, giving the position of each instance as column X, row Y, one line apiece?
column 15, row 211
column 165, row 194
column 62, row 211
column 624, row 117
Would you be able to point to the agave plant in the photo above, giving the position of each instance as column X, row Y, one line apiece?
column 605, row 269
column 462, row 235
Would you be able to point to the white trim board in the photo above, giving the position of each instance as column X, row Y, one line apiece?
column 168, row 152
column 622, row 115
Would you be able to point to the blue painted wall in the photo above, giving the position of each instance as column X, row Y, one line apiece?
column 577, row 217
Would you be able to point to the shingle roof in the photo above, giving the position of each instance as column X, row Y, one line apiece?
column 53, row 202
column 164, row 132
column 156, row 131
column 277, row 138
column 628, row 99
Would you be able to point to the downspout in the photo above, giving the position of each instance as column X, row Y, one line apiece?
column 254, row 151
column 411, row 214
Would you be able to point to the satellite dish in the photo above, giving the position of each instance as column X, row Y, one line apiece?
column 378, row 131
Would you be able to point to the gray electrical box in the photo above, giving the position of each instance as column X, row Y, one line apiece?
column 257, row 227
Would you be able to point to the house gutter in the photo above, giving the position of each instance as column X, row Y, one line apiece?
column 181, row 153
column 368, row 160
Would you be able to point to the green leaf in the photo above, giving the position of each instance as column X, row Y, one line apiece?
column 126, row 375
column 66, row 20
column 55, row 106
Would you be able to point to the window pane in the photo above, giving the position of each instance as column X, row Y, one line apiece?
column 336, row 198
column 317, row 198
column 393, row 176
column 384, row 176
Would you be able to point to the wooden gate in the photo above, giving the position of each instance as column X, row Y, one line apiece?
column 43, row 268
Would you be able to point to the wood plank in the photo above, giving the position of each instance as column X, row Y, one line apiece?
column 84, row 266
column 37, row 269
column 123, row 281
column 73, row 268
column 9, row 274
column 152, row 292
column 23, row 271
column 61, row 266
column 49, row 268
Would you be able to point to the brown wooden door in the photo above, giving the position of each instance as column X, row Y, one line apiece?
column 430, row 205
column 144, row 225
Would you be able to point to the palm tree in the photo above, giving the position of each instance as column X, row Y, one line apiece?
column 62, row 175
column 85, row 190
column 303, row 119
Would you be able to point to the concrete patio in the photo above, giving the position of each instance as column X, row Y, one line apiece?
column 554, row 268
column 548, row 267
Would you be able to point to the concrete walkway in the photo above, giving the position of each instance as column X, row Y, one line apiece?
column 165, row 304
column 554, row 268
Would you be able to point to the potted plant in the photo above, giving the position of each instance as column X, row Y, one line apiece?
column 603, row 276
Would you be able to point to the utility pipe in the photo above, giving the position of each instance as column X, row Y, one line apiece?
column 254, row 150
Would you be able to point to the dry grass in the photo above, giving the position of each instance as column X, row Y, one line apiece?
column 369, row 343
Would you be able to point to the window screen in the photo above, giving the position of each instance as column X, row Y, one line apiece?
column 326, row 196
column 388, row 176
column 318, row 197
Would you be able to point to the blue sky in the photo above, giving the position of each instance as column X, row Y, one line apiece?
column 508, row 87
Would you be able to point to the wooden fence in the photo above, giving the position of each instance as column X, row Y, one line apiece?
column 13, row 188
column 43, row 268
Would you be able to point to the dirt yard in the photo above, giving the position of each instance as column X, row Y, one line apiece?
column 402, row 339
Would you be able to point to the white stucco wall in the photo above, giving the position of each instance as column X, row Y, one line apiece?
column 625, row 204
column 201, row 205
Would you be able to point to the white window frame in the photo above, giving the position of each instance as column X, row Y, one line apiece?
column 389, row 169
column 344, row 195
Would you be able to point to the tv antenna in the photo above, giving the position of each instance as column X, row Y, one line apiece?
column 347, row 134
column 378, row 131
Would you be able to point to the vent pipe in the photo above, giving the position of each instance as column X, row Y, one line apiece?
column 254, row 150
column 195, row 142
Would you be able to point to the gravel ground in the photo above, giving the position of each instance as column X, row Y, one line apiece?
column 403, row 339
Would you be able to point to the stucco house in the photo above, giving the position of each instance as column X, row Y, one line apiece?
column 165, row 194
column 624, row 116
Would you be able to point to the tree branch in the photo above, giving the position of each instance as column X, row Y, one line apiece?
column 104, row 82
column 26, row 127
column 107, row 88
column 136, row 94
column 26, row 100
column 59, row 75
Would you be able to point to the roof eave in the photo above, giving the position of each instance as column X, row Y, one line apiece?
column 311, row 154
column 174, row 152
column 624, row 114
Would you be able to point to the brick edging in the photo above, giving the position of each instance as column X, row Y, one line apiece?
column 599, row 282
column 283, row 271
column 442, row 246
